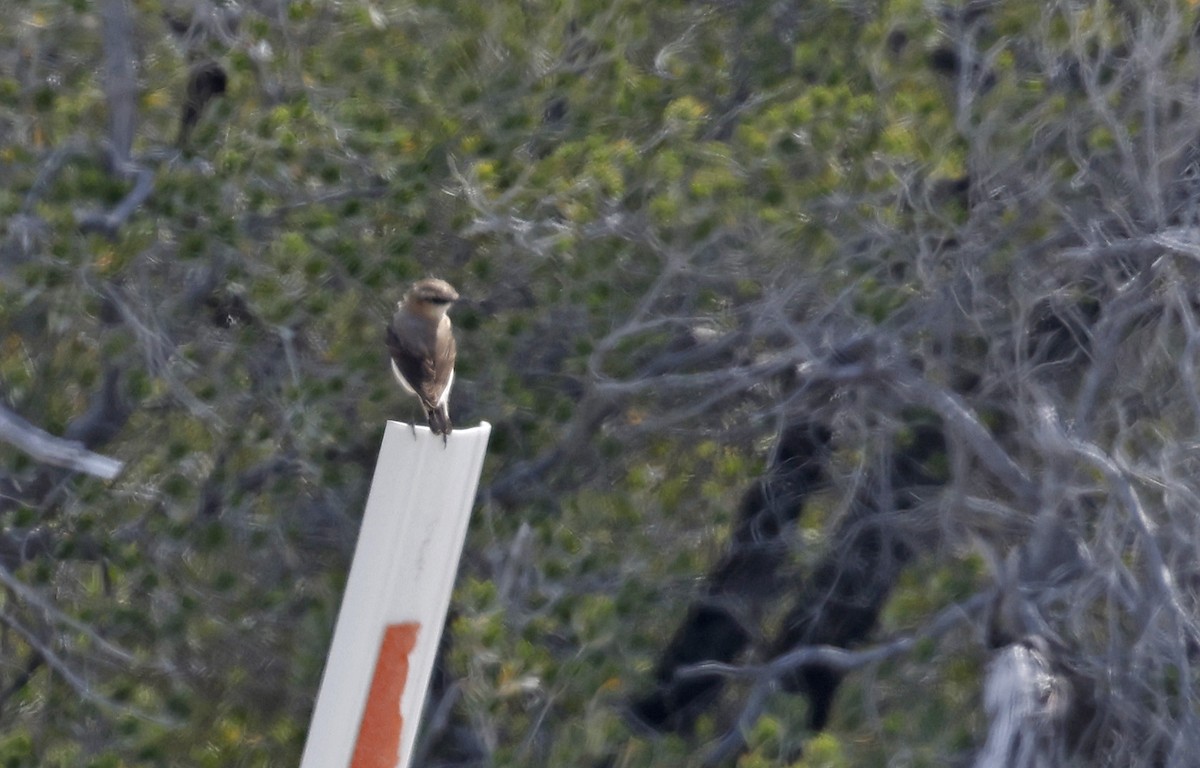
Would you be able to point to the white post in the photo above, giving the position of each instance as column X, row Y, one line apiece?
column 396, row 598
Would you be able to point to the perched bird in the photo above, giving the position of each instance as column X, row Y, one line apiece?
column 206, row 80
column 421, row 344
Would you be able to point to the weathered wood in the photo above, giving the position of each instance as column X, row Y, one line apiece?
column 1037, row 709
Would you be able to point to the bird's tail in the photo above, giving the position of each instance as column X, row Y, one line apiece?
column 439, row 419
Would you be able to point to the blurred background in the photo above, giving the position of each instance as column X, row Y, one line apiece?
column 801, row 325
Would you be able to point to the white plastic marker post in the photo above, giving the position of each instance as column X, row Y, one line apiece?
column 396, row 598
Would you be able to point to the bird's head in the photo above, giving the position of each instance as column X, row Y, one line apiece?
column 430, row 297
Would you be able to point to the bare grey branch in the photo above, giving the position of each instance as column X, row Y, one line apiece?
column 48, row 449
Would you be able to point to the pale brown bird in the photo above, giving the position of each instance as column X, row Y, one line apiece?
column 421, row 344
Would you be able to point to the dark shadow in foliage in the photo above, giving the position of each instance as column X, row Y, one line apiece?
column 838, row 605
column 106, row 414
column 708, row 633
column 746, row 577
column 206, row 81
column 841, row 601
column 1060, row 330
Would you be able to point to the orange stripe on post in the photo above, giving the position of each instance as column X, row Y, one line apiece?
column 378, row 744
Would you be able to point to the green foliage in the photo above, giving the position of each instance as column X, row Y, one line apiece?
column 559, row 162
column 823, row 751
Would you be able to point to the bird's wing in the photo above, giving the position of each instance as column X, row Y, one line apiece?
column 413, row 360
column 443, row 373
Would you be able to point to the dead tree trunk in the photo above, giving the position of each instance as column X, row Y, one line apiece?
column 1039, row 711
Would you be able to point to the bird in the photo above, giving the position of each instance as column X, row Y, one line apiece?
column 421, row 345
